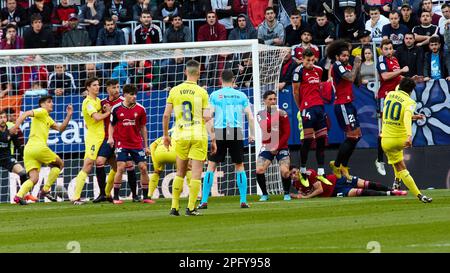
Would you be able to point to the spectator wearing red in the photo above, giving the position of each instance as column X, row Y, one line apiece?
column 25, row 4
column 297, row 50
column 11, row 40
column 61, row 16
column 212, row 30
column 257, row 10
column 13, row 14
column 239, row 6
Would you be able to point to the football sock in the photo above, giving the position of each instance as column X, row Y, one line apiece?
column 109, row 182
column 375, row 186
column 145, row 191
column 117, row 187
column 101, row 178
column 132, row 180
column 366, row 192
column 25, row 188
column 349, row 148
column 188, row 178
column 154, row 179
column 177, row 188
column 207, row 184
column 242, row 185
column 304, row 150
column 409, row 182
column 261, row 178
column 23, row 177
column 80, row 180
column 193, row 192
column 52, row 176
column 286, row 185
column 380, row 151
column 320, row 151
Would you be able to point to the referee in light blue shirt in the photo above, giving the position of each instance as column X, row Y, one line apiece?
column 228, row 107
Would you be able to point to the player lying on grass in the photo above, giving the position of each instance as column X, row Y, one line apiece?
column 341, row 187
column 36, row 150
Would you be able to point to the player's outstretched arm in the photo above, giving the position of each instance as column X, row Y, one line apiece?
column 13, row 130
column 166, row 118
column 251, row 124
column 61, row 127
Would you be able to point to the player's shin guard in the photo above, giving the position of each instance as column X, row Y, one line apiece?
column 286, row 185
column 194, row 189
column 177, row 188
column 154, row 179
column 80, row 180
column 375, row 186
column 261, row 178
column 109, row 182
column 25, row 188
column 364, row 192
column 208, row 180
column 242, row 185
column 52, row 176
column 101, row 178
column 132, row 180
column 409, row 182
column 23, row 177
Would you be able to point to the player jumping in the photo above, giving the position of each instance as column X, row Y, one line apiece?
column 275, row 129
column 36, row 150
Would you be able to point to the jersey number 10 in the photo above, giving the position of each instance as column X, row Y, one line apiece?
column 392, row 113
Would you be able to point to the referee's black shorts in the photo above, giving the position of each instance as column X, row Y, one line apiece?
column 231, row 139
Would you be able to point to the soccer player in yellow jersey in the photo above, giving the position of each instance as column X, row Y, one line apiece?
column 190, row 104
column 397, row 134
column 36, row 150
column 93, row 120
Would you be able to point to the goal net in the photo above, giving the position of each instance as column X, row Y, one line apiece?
column 154, row 69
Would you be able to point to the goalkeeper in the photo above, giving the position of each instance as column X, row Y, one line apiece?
column 160, row 156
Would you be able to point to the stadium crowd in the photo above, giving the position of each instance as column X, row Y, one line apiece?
column 419, row 31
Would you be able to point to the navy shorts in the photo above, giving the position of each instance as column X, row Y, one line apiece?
column 136, row 155
column 280, row 155
column 8, row 163
column 347, row 116
column 343, row 186
column 106, row 150
column 314, row 117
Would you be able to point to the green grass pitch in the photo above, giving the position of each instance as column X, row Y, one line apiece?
column 398, row 224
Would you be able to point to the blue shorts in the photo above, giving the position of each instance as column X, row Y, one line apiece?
column 280, row 155
column 347, row 116
column 343, row 186
column 314, row 117
column 137, row 156
column 106, row 150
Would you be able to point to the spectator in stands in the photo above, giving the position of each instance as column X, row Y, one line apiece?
column 445, row 19
column 61, row 16
column 109, row 34
column 285, row 10
column 195, row 9
column 384, row 6
column 424, row 31
column 177, row 32
column 121, row 12
column 244, row 29
column 173, row 73
column 13, row 14
column 167, row 10
column 394, row 31
column 427, row 5
column 6, row 89
column 316, row 8
column 437, row 6
column 368, row 70
column 365, row 40
column 434, row 64
column 271, row 31
column 410, row 55
column 341, row 5
column 286, row 72
column 212, row 30
column 413, row 4
column 350, row 27
column 37, row 36
column 92, row 14
column 297, row 50
column 139, row 7
column 239, row 6
column 141, row 76
column 33, row 74
column 25, row 4
column 257, row 11
column 224, row 12
column 147, row 32
column 294, row 30
column 375, row 24
column 44, row 10
column 89, row 71
column 75, row 37
column 11, row 40
column 323, row 30
column 408, row 18
column 61, row 82
column 245, row 72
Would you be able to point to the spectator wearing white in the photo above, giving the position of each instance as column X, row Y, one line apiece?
column 92, row 14
column 147, row 32
column 223, row 9
column 61, row 82
column 375, row 24
column 270, row 31
column 445, row 19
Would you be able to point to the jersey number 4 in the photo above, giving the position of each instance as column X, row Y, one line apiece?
column 392, row 113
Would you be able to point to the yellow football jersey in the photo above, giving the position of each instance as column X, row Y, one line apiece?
column 189, row 100
column 395, row 106
column 40, row 127
column 95, row 129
